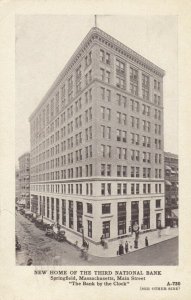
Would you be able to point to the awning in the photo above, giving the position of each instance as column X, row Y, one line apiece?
column 175, row 213
column 167, row 182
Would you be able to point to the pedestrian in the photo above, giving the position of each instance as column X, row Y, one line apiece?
column 121, row 249
column 126, row 247
column 146, row 242
column 102, row 240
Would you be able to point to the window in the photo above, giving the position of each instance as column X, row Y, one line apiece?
column 119, row 117
column 119, row 189
column 103, row 150
column 145, row 87
column 106, row 229
column 63, row 212
column 106, row 208
column 120, row 82
column 121, row 218
column 124, row 171
column 89, row 208
column 134, row 212
column 158, row 203
column 70, row 202
column 132, row 171
column 102, row 131
column 124, row 153
column 108, row 133
column 132, row 188
column 137, row 172
column 137, row 188
column 108, row 170
column 118, row 135
column 102, row 74
column 103, row 189
column 124, row 188
column 120, row 67
column 108, row 95
column 52, row 208
column 124, row 136
column 102, row 170
column 146, row 214
column 133, row 81
column 108, row 151
column 108, row 113
column 119, row 153
column 107, row 58
column 124, row 118
column 107, row 77
column 109, row 188
column 102, row 55
column 118, row 171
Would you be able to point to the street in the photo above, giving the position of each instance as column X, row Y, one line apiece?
column 47, row 251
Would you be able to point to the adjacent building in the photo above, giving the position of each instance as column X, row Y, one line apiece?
column 17, row 185
column 24, row 179
column 97, row 163
column 171, row 188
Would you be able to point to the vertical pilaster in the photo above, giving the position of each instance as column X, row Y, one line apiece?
column 151, row 89
column 128, row 77
column 139, row 83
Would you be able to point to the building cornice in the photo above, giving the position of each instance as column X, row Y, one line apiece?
column 98, row 35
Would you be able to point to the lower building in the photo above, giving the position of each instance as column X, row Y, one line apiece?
column 17, row 185
column 171, row 189
column 24, row 179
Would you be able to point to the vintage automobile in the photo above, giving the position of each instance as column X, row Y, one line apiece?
column 17, row 244
column 28, row 215
column 40, row 223
column 59, row 233
column 49, row 230
column 56, row 232
column 34, row 217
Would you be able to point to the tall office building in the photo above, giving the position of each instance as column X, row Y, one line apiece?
column 97, row 143
column 24, row 179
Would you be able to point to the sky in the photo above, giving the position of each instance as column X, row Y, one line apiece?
column 44, row 44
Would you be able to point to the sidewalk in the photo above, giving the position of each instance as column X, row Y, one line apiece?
column 154, row 237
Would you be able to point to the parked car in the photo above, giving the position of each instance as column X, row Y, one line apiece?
column 58, row 233
column 28, row 215
column 49, row 230
column 40, row 224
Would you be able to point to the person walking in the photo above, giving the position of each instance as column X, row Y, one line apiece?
column 126, row 247
column 146, row 242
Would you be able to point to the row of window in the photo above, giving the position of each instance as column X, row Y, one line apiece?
column 105, row 170
column 106, row 150
column 121, row 74
column 106, row 188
